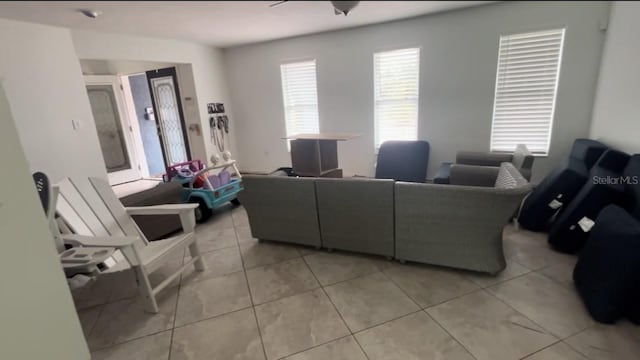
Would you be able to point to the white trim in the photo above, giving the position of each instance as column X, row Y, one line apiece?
column 137, row 135
column 133, row 173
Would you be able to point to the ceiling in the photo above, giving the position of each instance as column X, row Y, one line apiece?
column 218, row 23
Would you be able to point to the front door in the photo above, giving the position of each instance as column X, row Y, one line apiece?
column 114, row 130
column 165, row 96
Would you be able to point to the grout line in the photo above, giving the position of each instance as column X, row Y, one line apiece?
column 540, row 350
column 573, row 348
column 335, row 308
column 129, row 340
column 212, row 317
column 450, row 334
column 314, row 346
column 525, row 316
column 246, row 279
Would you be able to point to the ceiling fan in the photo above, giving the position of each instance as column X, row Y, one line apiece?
column 339, row 7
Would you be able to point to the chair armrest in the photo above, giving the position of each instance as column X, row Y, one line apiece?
column 166, row 209
column 482, row 158
column 472, row 175
column 99, row 241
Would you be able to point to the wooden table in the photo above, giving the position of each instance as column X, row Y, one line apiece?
column 317, row 154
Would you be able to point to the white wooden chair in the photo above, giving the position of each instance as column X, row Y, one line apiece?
column 95, row 217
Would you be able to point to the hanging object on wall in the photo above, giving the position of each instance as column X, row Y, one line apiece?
column 218, row 124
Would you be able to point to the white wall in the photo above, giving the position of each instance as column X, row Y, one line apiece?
column 37, row 317
column 46, row 91
column 616, row 110
column 457, row 77
column 201, row 69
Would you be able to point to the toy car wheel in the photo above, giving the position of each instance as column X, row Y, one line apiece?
column 235, row 202
column 202, row 212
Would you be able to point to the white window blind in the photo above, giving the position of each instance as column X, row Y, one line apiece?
column 396, row 83
column 526, row 86
column 300, row 97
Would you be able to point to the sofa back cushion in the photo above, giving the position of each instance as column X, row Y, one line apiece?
column 509, row 177
column 356, row 214
column 281, row 208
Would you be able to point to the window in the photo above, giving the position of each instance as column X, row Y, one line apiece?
column 300, row 97
column 396, row 83
column 526, row 86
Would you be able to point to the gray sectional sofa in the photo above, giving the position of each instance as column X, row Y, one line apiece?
column 448, row 225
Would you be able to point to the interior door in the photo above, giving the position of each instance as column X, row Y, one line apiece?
column 114, row 130
column 165, row 96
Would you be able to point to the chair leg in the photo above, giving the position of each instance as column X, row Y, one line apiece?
column 144, row 286
column 195, row 252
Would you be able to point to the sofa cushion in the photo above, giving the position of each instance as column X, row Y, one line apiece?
column 509, row 177
column 356, row 214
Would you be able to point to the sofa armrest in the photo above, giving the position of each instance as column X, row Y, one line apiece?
column 473, row 175
column 482, row 158
column 456, row 226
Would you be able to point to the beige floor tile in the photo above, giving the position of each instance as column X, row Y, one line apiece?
column 231, row 336
column 558, row 351
column 210, row 239
column 341, row 349
column 219, row 262
column 608, row 342
column 88, row 318
column 244, row 233
column 95, row 293
column 561, row 272
column 221, row 218
column 330, row 268
column 368, row 301
column 262, row 253
column 413, row 337
column 208, row 298
column 430, row 285
column 534, row 256
column 512, row 270
column 305, row 250
column 489, row 329
column 126, row 320
column 275, row 281
column 298, row 322
column 240, row 217
column 151, row 347
column 554, row 306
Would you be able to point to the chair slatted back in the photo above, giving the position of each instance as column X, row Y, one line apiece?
column 90, row 207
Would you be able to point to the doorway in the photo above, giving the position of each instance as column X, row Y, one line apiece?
column 113, row 128
column 140, row 123
column 172, row 131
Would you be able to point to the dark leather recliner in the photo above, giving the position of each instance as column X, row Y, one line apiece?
column 561, row 185
column 403, row 161
column 607, row 275
column 603, row 187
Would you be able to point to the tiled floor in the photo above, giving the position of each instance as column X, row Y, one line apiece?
column 262, row 300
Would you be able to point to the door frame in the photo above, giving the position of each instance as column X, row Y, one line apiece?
column 136, row 133
column 170, row 71
column 132, row 174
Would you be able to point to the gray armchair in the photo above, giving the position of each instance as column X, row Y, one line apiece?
column 458, row 226
column 521, row 158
